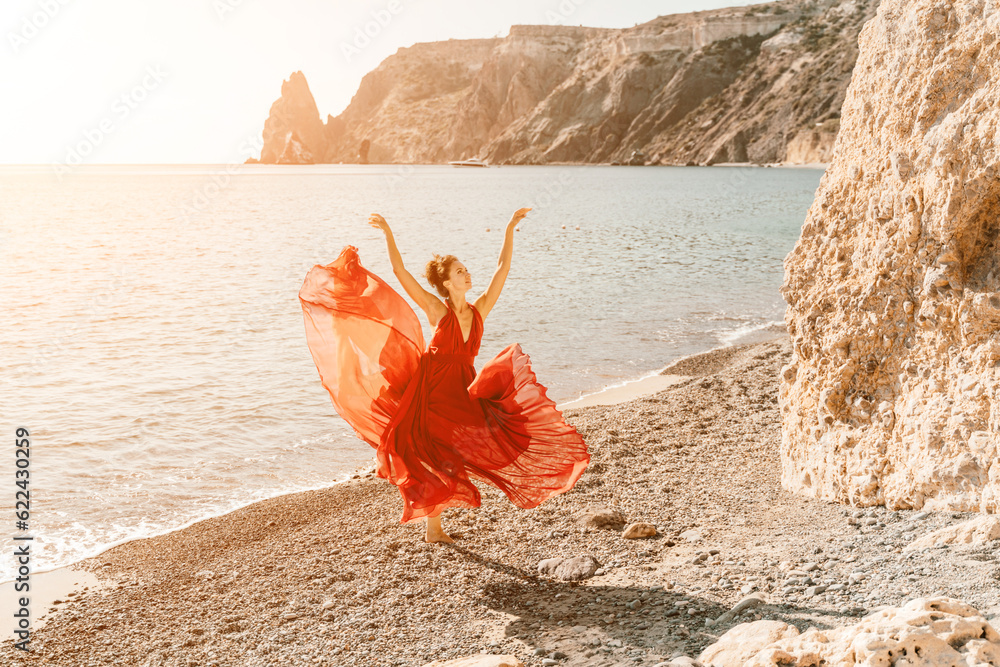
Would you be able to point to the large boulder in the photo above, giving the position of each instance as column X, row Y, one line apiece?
column 894, row 285
column 929, row 632
column 975, row 532
column 760, row 84
column 744, row 641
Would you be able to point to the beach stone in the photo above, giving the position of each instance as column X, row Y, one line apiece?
column 549, row 565
column 570, row 569
column 680, row 661
column 748, row 602
column 692, row 536
column 602, row 517
column 639, row 530
column 974, row 532
column 934, row 631
column 480, row 660
column 893, row 287
column 744, row 641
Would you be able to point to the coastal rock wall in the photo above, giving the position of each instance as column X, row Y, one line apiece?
column 894, row 285
column 760, row 24
column 784, row 88
column 735, row 84
column 697, row 32
column 519, row 73
column 407, row 106
column 813, row 146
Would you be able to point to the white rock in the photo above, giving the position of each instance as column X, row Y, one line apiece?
column 931, row 631
column 897, row 220
column 973, row 532
column 680, row 661
column 743, row 642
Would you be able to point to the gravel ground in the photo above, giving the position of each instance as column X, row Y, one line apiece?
column 330, row 577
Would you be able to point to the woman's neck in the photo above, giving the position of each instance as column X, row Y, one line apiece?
column 459, row 307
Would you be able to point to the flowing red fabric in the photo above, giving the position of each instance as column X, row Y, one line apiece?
column 436, row 424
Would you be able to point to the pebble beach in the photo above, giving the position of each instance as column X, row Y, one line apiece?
column 330, row 577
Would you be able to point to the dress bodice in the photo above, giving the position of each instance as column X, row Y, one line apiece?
column 447, row 338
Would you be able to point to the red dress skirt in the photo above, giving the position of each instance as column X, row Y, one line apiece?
column 434, row 422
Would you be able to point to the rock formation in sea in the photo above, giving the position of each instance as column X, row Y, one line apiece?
column 293, row 132
column 757, row 84
column 894, row 285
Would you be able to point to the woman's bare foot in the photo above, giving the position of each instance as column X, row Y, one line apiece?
column 434, row 531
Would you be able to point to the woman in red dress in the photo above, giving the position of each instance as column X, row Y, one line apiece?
column 435, row 423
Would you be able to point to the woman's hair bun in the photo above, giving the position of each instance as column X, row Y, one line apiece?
column 437, row 272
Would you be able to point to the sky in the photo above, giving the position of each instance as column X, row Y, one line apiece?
column 192, row 81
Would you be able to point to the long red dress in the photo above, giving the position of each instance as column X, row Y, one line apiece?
column 434, row 422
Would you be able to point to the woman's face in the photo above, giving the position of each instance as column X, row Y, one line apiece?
column 459, row 277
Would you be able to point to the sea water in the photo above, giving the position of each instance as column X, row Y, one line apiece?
column 152, row 339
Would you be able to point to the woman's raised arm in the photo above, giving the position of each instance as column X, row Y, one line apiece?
column 484, row 304
column 429, row 303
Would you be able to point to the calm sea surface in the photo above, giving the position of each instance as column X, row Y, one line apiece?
column 152, row 339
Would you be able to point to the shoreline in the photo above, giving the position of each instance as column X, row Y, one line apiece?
column 654, row 381
column 331, row 577
column 55, row 589
column 55, row 586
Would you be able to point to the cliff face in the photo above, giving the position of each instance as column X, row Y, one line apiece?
column 408, row 105
column 893, row 395
column 782, row 94
column 748, row 84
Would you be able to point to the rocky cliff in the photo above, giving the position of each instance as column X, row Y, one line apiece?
column 894, row 285
column 747, row 84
